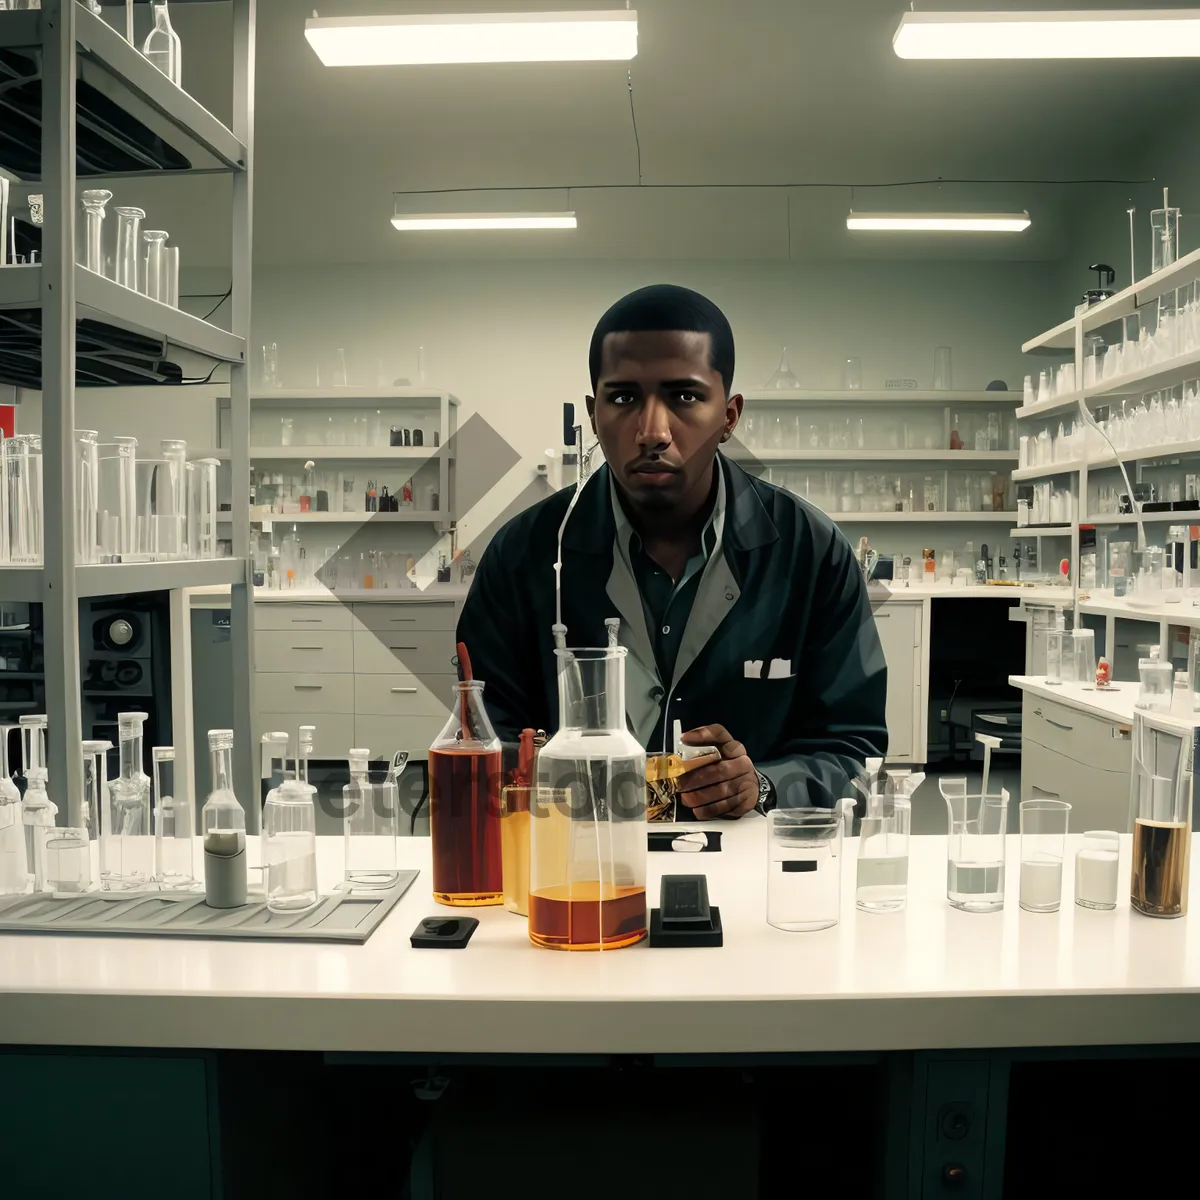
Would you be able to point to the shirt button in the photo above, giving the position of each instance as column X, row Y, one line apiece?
column 666, row 629
column 656, row 692
column 729, row 595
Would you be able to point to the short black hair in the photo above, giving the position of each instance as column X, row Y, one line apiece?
column 662, row 307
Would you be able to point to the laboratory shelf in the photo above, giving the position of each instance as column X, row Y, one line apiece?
column 1059, row 339
column 1046, row 408
column 1176, row 517
column 1179, row 612
column 1027, row 531
column 887, row 396
column 1149, row 379
column 130, row 118
column 21, row 584
column 351, row 518
column 382, row 454
column 859, row 456
column 111, row 579
column 921, row 518
column 323, row 397
column 1062, row 468
column 1145, row 454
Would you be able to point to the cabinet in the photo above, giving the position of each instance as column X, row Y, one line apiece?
column 899, row 628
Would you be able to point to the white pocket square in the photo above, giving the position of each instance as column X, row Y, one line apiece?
column 781, row 668
column 753, row 668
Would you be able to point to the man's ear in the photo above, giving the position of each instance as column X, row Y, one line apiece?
column 733, row 414
column 590, row 401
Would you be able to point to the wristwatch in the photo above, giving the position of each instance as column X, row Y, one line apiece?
column 766, row 794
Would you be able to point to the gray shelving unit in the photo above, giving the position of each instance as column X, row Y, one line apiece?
column 78, row 68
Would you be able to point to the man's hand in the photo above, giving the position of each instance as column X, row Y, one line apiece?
column 725, row 786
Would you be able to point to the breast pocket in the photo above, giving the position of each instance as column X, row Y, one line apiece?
column 768, row 668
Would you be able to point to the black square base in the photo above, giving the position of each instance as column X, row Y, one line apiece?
column 711, row 935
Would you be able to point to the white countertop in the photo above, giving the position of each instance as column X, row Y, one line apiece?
column 1114, row 703
column 930, row 977
column 217, row 596
column 946, row 591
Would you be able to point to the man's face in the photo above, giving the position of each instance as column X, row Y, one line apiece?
column 660, row 411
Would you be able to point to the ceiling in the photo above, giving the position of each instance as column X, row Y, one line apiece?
column 765, row 92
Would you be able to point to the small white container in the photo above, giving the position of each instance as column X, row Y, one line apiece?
column 1096, row 870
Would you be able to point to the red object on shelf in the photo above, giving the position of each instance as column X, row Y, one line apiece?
column 1064, row 567
column 1103, row 673
column 8, row 420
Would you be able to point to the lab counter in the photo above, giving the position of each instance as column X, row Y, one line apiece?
column 928, row 978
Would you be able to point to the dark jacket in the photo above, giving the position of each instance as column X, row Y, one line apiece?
column 785, row 587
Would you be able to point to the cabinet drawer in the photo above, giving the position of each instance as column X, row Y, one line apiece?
column 383, row 736
column 308, row 693
column 1099, row 799
column 416, row 614
column 270, row 614
column 418, row 652
column 1085, row 739
column 403, row 695
column 323, row 651
column 334, row 736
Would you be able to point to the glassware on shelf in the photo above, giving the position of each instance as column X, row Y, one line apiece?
column 162, row 47
column 372, row 811
column 1164, row 235
column 94, row 200
column 852, row 377
column 223, row 823
column 87, row 496
column 804, row 861
column 117, row 493
column 174, row 828
column 587, row 850
column 975, row 851
column 129, row 224
column 1043, row 847
column 269, row 366
column 202, row 508
column 22, row 508
column 171, row 276
column 1157, row 682
column 14, row 865
column 126, row 839
column 783, row 378
column 153, row 274
column 1161, row 815
column 95, row 786
column 931, row 493
column 943, row 375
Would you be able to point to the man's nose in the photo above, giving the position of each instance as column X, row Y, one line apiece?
column 654, row 429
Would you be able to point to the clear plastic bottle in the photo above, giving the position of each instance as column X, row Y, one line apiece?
column 127, row 841
column 162, row 47
column 174, row 831
column 223, row 821
column 290, row 845
column 371, row 816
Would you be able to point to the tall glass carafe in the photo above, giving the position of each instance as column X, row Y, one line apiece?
column 87, row 468
column 127, row 840
column 371, row 817
column 1160, row 805
column 587, row 854
column 223, row 826
column 129, row 223
column 92, row 256
column 162, row 46
column 464, row 804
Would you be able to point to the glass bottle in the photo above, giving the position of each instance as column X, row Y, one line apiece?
column 94, row 200
column 126, row 842
column 14, row 864
column 174, row 831
column 587, row 852
column 1161, row 815
column 290, row 840
column 370, row 824
column 162, row 46
column 464, row 804
column 223, row 821
column 129, row 223
column 783, row 377
column 153, row 273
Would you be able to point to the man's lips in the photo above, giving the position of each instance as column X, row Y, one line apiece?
column 653, row 469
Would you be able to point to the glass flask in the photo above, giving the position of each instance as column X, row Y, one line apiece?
column 94, row 200
column 882, row 881
column 162, row 46
column 1043, row 848
column 154, row 274
column 587, row 848
column 14, row 864
column 126, row 839
column 784, row 378
column 95, row 785
column 975, row 851
column 129, row 223
column 464, row 804
column 23, row 498
column 372, row 813
column 804, row 861
column 87, row 468
column 223, row 825
column 117, row 492
column 174, row 829
column 1160, row 804
column 1096, row 870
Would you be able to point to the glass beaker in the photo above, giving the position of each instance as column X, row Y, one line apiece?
column 1164, row 237
column 943, row 375
column 1096, row 874
column 117, row 493
column 174, row 830
column 1157, row 682
column 129, row 223
column 23, row 494
column 1043, row 847
column 464, row 804
column 882, row 881
column 372, row 811
column 514, row 845
column 975, row 850
column 162, row 46
column 87, row 496
column 126, row 839
column 94, row 200
column 804, row 861
column 290, row 847
column 1161, row 817
column 223, row 824
column 95, row 785
column 587, row 851
column 153, row 274
column 1083, row 655
column 202, row 508
column 68, row 855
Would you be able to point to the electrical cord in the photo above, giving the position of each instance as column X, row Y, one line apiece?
column 218, row 304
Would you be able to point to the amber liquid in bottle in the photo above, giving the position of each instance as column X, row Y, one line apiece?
column 1160, row 867
column 464, row 823
column 582, row 916
column 514, row 843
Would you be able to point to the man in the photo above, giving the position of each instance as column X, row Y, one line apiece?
column 742, row 607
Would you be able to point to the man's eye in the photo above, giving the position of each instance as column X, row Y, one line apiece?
column 687, row 397
column 621, row 398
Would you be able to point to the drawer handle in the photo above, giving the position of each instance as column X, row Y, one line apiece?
column 882, row 616
column 402, row 647
column 308, row 647
column 397, row 620
column 306, row 620
column 1058, row 724
column 406, row 691
column 307, row 687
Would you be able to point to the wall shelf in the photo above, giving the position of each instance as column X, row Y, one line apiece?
column 1028, row 531
column 409, row 397
column 964, row 457
column 922, row 518
column 817, row 398
column 383, row 454
column 413, row 517
column 1046, row 408
column 1063, row 468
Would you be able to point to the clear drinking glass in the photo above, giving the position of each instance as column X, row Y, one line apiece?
column 174, row 828
column 129, row 223
column 154, row 275
column 87, row 496
column 514, row 844
column 1083, row 654
column 1043, row 847
column 975, row 850
column 1096, row 869
column 126, row 839
column 804, row 868
column 94, row 200
column 852, row 374
column 68, row 856
column 882, row 884
column 372, row 811
column 943, row 375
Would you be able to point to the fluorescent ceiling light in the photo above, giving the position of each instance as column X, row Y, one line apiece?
column 473, row 38
column 563, row 220
column 941, row 222
column 1153, row 33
